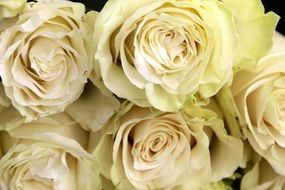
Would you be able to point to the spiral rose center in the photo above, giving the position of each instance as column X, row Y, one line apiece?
column 46, row 59
column 157, row 144
column 152, row 149
column 165, row 47
column 167, row 42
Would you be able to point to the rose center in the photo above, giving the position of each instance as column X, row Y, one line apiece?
column 164, row 48
column 45, row 170
column 46, row 59
column 175, row 45
column 158, row 143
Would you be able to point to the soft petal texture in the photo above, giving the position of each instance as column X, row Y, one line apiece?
column 230, row 111
column 46, row 57
column 161, row 53
column 143, row 148
column 279, row 43
column 49, row 153
column 255, row 30
column 262, row 177
column 10, row 8
column 259, row 96
column 93, row 109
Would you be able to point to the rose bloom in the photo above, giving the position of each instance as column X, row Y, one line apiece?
column 46, row 57
column 47, row 154
column 10, row 8
column 259, row 95
column 143, row 148
column 160, row 53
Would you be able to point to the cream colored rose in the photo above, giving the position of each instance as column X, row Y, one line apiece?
column 10, row 8
column 160, row 53
column 259, row 96
column 93, row 109
column 142, row 148
column 46, row 57
column 47, row 154
column 262, row 177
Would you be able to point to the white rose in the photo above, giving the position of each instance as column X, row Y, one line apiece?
column 47, row 154
column 143, row 148
column 259, row 98
column 160, row 53
column 46, row 57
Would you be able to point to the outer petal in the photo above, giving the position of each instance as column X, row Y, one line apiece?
column 231, row 145
column 113, row 15
column 262, row 177
column 9, row 116
column 169, row 102
column 93, row 109
column 219, row 69
column 59, row 132
column 250, row 19
column 279, row 43
column 221, row 142
column 230, row 111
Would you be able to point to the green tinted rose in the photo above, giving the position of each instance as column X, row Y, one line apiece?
column 49, row 153
column 160, row 53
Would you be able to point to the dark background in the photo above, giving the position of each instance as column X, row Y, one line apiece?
column 279, row 8
column 270, row 5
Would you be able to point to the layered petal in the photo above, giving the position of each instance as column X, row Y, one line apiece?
column 262, row 177
column 151, row 149
column 47, row 154
column 46, row 57
column 161, row 53
column 258, row 106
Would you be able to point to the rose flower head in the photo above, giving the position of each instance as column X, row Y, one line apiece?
column 46, row 57
column 49, row 153
column 143, row 148
column 160, row 53
column 258, row 96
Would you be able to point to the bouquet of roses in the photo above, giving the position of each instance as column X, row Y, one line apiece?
column 145, row 94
